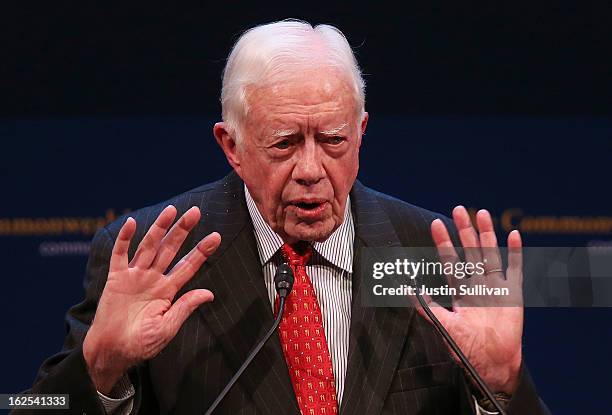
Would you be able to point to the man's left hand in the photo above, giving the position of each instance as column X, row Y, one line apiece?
column 489, row 336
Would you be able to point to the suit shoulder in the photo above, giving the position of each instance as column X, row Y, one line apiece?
column 411, row 223
column 394, row 206
column 182, row 202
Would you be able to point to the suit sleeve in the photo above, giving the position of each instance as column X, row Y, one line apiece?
column 66, row 372
column 525, row 399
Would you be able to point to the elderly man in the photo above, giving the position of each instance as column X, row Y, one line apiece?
column 148, row 338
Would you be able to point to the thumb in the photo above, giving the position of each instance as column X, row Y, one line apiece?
column 442, row 315
column 182, row 308
column 439, row 312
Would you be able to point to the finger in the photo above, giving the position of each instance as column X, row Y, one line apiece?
column 147, row 249
column 467, row 235
column 515, row 258
column 442, row 314
column 119, row 256
column 440, row 234
column 182, row 308
column 488, row 243
column 443, row 242
column 173, row 240
column 485, row 228
column 444, row 245
column 191, row 263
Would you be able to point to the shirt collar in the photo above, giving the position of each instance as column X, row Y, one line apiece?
column 337, row 249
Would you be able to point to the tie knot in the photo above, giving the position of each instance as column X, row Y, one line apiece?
column 297, row 254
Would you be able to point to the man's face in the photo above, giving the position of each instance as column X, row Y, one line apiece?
column 299, row 153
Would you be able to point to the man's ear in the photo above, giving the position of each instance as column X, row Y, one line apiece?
column 364, row 124
column 228, row 144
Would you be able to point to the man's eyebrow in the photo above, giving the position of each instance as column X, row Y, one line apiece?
column 283, row 133
column 333, row 131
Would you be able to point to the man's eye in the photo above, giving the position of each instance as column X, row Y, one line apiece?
column 335, row 140
column 282, row 145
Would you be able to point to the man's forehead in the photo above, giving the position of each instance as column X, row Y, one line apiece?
column 304, row 84
column 322, row 102
column 316, row 82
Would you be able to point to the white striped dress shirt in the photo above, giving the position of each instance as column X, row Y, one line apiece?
column 330, row 269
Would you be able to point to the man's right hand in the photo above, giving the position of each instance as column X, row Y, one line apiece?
column 136, row 318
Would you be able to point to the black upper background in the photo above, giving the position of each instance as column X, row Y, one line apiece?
column 542, row 58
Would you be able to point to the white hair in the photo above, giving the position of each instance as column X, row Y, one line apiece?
column 268, row 52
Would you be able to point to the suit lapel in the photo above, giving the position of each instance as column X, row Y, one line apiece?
column 377, row 335
column 241, row 312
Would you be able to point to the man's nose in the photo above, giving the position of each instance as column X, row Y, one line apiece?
column 308, row 168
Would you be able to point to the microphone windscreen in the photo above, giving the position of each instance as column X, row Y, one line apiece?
column 283, row 279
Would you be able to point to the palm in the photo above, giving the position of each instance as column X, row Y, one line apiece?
column 486, row 338
column 143, row 301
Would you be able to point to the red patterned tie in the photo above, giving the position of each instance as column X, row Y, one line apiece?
column 303, row 340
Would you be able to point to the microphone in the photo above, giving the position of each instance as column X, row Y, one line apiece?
column 464, row 360
column 283, row 282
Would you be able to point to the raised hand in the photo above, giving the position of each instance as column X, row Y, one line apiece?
column 489, row 335
column 136, row 318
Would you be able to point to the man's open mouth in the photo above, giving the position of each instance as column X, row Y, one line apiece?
column 310, row 209
column 308, row 205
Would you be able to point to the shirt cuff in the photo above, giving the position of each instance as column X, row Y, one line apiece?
column 480, row 411
column 121, row 395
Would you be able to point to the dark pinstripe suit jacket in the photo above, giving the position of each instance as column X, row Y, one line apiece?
column 397, row 364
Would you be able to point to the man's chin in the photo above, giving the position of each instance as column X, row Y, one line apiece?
column 317, row 232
